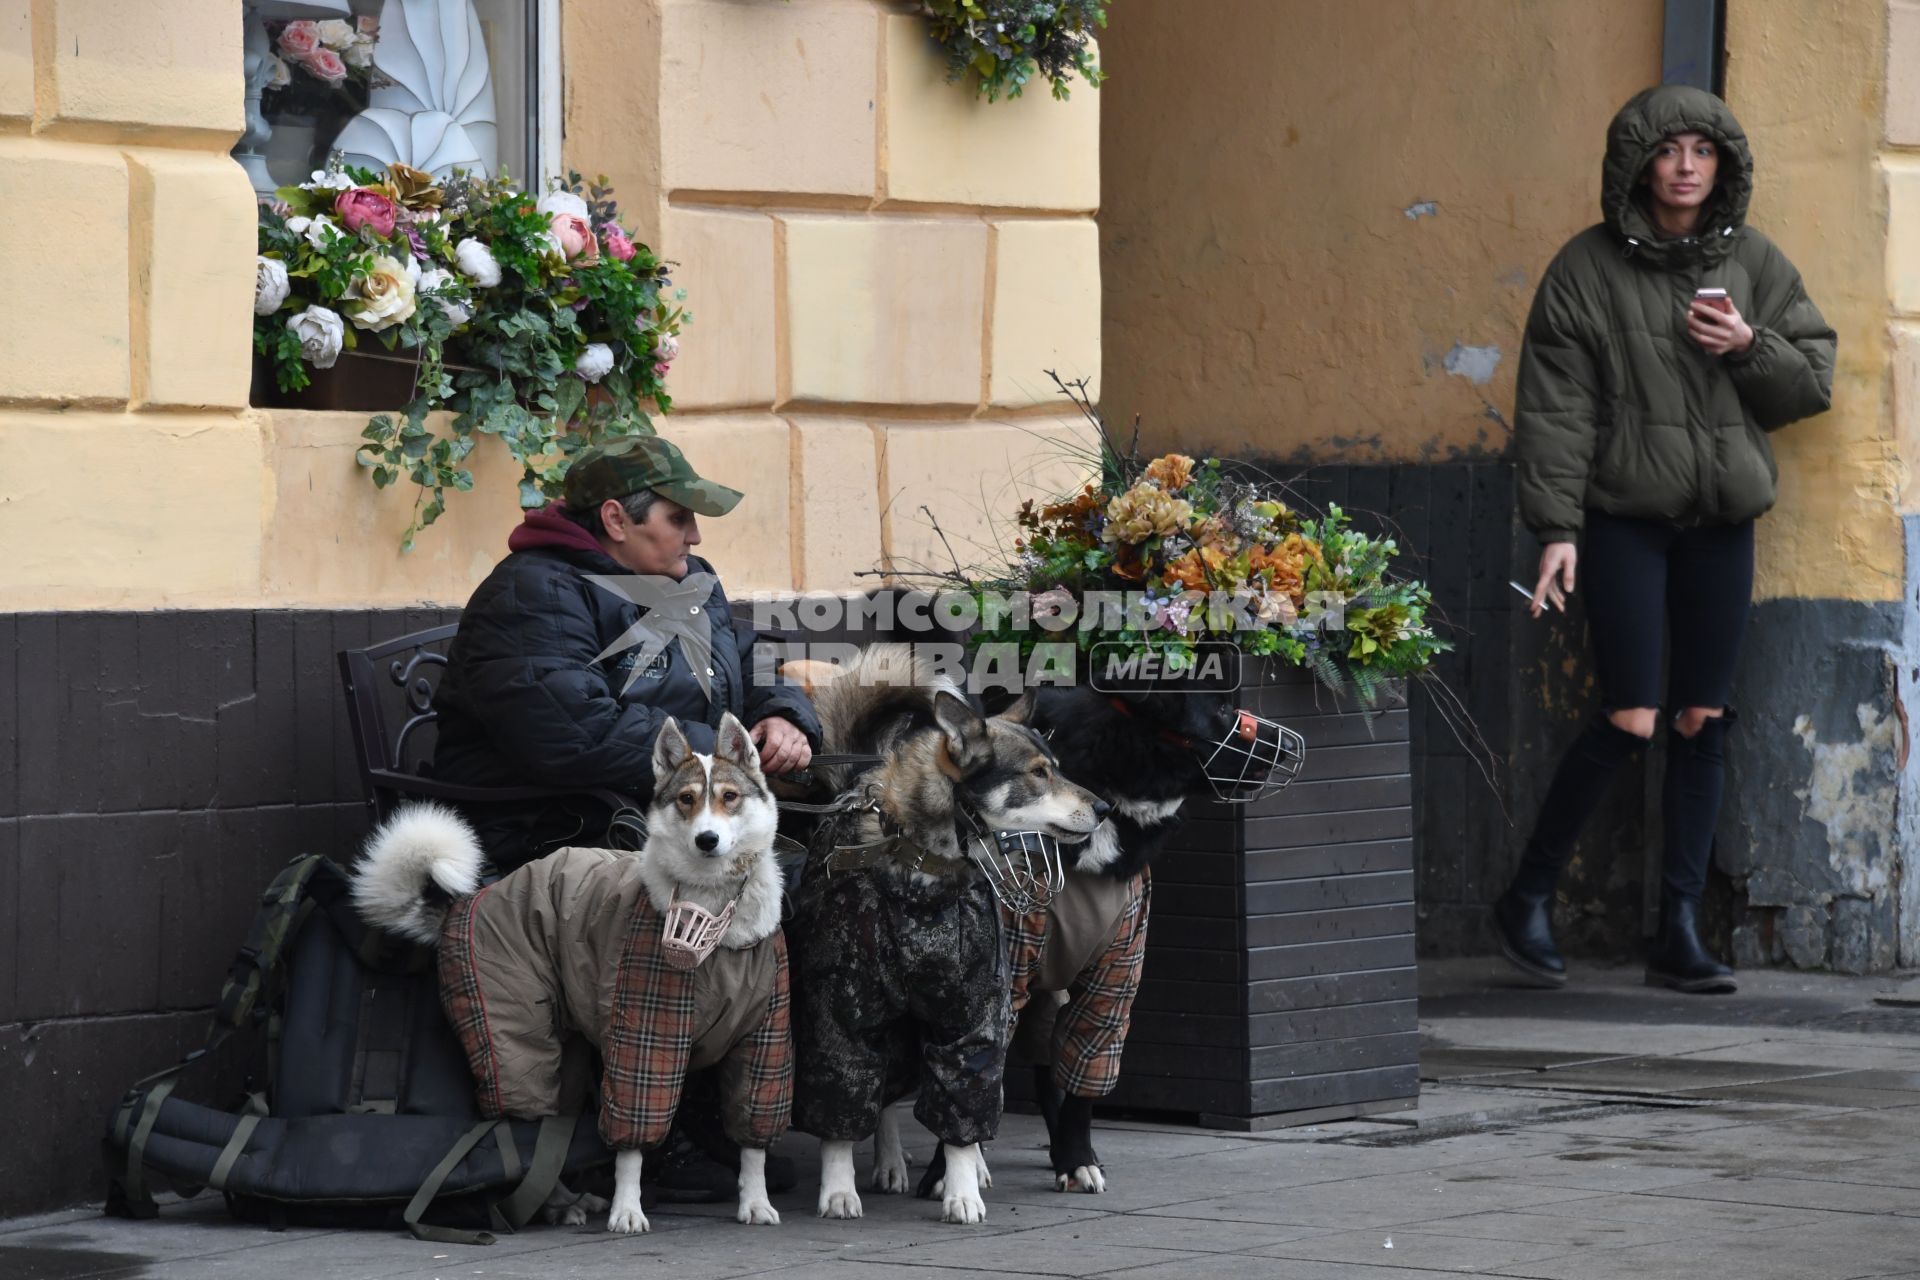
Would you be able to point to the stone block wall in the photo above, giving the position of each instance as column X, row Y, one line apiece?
column 124, row 351
column 881, row 268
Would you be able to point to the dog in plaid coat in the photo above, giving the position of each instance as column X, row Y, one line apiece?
column 1076, row 966
column 571, row 951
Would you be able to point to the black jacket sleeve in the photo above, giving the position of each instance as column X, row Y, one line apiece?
column 531, row 678
column 766, row 695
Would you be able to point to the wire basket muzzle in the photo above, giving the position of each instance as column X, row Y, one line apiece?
column 1255, row 757
column 1023, row 868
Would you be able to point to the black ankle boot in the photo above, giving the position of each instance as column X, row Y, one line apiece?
column 1523, row 922
column 1679, row 959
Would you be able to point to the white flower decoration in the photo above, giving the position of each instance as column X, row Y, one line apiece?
column 477, row 263
column 448, row 293
column 322, row 333
column 562, row 202
column 270, row 284
column 334, row 33
column 667, row 350
column 318, row 231
column 279, row 74
column 359, row 54
column 321, row 180
column 384, row 295
column 595, row 363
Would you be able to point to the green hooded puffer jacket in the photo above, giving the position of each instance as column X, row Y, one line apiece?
column 1618, row 408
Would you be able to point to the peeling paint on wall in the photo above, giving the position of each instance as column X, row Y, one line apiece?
column 1475, row 364
column 1847, row 794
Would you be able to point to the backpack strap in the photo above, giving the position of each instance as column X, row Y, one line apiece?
column 517, row 1207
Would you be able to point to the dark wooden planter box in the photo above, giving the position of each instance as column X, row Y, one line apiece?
column 361, row 382
column 1280, row 984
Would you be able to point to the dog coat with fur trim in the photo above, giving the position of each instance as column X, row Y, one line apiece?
column 569, row 946
column 898, row 985
column 1090, row 943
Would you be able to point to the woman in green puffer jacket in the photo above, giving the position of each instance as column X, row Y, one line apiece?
column 1641, row 433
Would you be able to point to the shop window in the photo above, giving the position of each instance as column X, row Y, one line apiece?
column 436, row 84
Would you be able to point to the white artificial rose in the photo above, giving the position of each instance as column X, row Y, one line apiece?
column 550, row 246
column 595, row 363
column 563, row 202
column 359, row 54
column 334, row 33
column 477, row 263
column 321, row 336
column 270, row 284
column 382, row 295
column 299, row 224
column 667, row 350
column 319, row 231
column 447, row 291
column 279, row 74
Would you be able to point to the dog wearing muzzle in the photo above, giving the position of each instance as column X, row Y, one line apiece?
column 666, row 961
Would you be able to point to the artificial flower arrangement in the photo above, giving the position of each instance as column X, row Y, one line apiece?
column 540, row 321
column 1210, row 555
column 1005, row 42
column 332, row 51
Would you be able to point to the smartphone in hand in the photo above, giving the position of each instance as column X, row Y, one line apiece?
column 1714, row 297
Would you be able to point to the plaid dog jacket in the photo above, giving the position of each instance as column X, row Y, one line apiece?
column 1090, row 943
column 569, row 947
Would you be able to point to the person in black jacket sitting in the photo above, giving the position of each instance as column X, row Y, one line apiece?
column 598, row 626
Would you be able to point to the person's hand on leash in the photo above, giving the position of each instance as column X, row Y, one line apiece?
column 1719, row 329
column 1557, row 561
column 783, row 748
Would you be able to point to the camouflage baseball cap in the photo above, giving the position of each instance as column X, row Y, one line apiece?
column 622, row 467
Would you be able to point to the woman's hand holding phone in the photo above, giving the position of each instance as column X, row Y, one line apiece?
column 1716, row 324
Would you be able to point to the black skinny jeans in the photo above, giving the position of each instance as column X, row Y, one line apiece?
column 1647, row 583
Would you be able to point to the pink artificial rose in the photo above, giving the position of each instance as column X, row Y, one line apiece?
column 298, row 39
column 363, row 208
column 618, row 244
column 326, row 65
column 367, row 24
column 575, row 234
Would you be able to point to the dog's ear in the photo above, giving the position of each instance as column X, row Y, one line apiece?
column 733, row 742
column 670, row 749
column 965, row 729
column 1021, row 712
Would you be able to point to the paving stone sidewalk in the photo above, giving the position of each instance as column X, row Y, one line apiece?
column 1604, row 1132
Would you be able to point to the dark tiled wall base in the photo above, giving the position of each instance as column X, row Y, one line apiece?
column 1455, row 522
column 156, row 769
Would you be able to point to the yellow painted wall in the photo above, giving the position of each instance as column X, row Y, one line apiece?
column 1310, row 206
column 880, row 268
column 1806, row 82
column 1275, row 287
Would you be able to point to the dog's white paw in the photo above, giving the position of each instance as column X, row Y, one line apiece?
column 966, row 1210
column 628, row 1220
column 1087, row 1177
column 565, row 1209
column 890, row 1177
column 839, row 1204
column 758, row 1213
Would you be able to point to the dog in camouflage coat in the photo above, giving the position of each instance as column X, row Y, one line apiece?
column 898, row 961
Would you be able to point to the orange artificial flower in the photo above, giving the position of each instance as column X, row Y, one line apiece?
column 1170, row 472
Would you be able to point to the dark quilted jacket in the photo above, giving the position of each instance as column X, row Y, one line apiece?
column 1618, row 409
column 528, row 700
